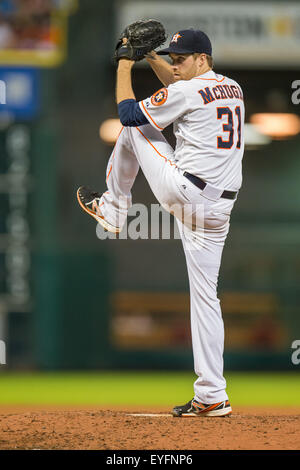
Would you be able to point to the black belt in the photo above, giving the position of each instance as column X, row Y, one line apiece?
column 201, row 184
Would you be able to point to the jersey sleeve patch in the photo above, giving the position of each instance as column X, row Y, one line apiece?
column 160, row 97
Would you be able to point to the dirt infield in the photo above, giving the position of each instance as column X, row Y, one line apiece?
column 67, row 429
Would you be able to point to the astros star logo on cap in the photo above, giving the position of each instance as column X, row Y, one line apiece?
column 176, row 37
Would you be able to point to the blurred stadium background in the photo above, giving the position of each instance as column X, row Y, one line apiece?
column 69, row 301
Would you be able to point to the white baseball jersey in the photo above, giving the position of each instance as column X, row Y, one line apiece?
column 208, row 114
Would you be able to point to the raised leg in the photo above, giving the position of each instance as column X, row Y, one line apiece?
column 139, row 147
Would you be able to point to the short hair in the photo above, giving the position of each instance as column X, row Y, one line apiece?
column 209, row 59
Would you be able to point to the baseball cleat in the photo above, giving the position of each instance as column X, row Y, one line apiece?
column 89, row 201
column 195, row 408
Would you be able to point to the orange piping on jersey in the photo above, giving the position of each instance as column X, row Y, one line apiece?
column 160, row 128
column 109, row 172
column 169, row 161
column 113, row 155
column 219, row 81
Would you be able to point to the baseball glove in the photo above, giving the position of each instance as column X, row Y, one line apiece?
column 142, row 37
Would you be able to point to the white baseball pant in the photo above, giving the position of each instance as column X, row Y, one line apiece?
column 147, row 148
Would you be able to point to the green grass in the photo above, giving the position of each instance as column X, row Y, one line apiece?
column 142, row 388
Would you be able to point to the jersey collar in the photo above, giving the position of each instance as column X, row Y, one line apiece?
column 209, row 74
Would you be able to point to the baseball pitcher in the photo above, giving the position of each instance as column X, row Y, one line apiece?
column 205, row 169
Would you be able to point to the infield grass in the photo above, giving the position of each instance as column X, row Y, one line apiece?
column 142, row 388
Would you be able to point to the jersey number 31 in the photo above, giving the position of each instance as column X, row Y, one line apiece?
column 223, row 113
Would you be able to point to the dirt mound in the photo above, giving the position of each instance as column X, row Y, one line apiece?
column 99, row 429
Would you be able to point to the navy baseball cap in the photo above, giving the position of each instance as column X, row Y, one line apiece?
column 188, row 41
